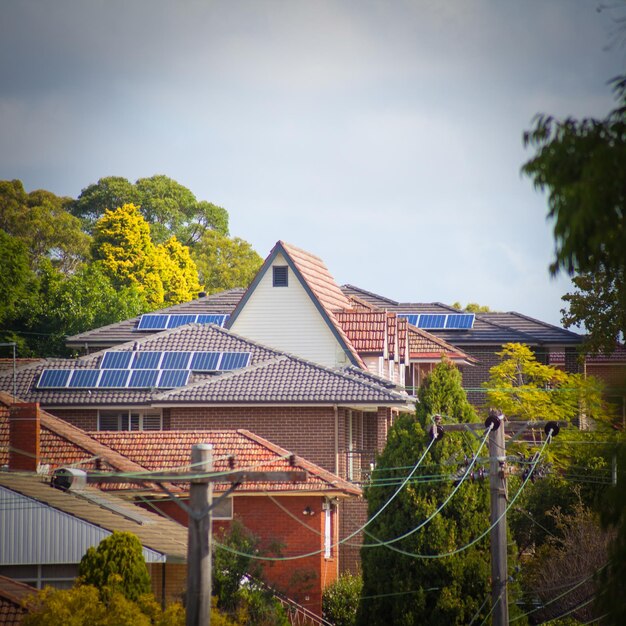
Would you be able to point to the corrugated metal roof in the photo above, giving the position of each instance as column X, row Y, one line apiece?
column 41, row 524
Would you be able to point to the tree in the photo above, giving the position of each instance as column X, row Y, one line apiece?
column 224, row 262
column 40, row 219
column 582, row 165
column 163, row 274
column 169, row 208
column 397, row 588
column 523, row 388
column 118, row 562
column 472, row 307
column 16, row 278
column 340, row 600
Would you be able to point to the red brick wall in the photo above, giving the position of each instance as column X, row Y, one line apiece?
column 175, row 580
column 306, row 431
column 87, row 419
column 301, row 579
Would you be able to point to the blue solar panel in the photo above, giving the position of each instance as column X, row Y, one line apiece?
column 153, row 322
column 85, row 379
column 147, row 360
column 205, row 361
column 53, row 379
column 173, row 378
column 431, row 321
column 460, row 321
column 116, row 360
column 411, row 318
column 220, row 320
column 180, row 320
column 143, row 379
column 175, row 360
column 234, row 360
column 113, row 378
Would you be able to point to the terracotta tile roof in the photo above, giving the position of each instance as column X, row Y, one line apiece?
column 63, row 445
column 285, row 380
column 156, row 532
column 12, row 594
column 170, row 450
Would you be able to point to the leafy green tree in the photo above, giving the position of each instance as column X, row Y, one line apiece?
column 340, row 600
column 582, row 165
column 397, row 588
column 179, row 273
column 117, row 561
column 523, row 388
column 41, row 220
column 16, row 278
column 472, row 307
column 224, row 262
column 170, row 208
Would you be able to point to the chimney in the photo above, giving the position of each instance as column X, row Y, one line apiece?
column 24, row 437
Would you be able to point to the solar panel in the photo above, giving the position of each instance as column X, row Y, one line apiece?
column 431, row 321
column 113, row 378
column 143, row 379
column 205, row 361
column 460, row 321
column 148, row 360
column 220, row 320
column 116, row 360
column 175, row 360
column 153, row 322
column 53, row 379
column 234, row 360
column 173, row 378
column 411, row 318
column 84, row 379
column 180, row 320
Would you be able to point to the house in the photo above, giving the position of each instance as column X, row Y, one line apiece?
column 480, row 336
column 279, row 514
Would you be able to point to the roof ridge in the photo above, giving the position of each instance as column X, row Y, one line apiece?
column 309, row 466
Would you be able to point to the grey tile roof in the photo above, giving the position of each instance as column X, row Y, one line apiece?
column 285, row 379
column 121, row 332
column 271, row 377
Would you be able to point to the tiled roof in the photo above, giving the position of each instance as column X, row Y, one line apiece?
column 12, row 594
column 157, row 533
column 126, row 330
column 272, row 377
column 285, row 380
column 170, row 450
column 64, row 445
column 489, row 328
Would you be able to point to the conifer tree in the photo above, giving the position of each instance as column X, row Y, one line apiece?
column 403, row 590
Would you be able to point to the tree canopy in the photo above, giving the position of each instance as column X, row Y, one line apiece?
column 447, row 590
column 582, row 165
column 167, row 206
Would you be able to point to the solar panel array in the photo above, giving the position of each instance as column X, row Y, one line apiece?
column 161, row 321
column 440, row 321
column 143, row 370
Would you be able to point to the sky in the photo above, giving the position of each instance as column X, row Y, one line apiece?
column 383, row 136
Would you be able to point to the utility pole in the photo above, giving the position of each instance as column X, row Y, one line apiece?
column 199, row 511
column 199, row 539
column 498, row 542
column 498, row 497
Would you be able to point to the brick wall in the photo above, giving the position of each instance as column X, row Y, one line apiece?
column 175, row 581
column 87, row 419
column 352, row 515
column 291, row 533
column 24, row 437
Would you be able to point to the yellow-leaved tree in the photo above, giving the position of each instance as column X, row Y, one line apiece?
column 164, row 274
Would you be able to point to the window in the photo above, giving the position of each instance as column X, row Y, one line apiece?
column 61, row 576
column 128, row 419
column 280, row 276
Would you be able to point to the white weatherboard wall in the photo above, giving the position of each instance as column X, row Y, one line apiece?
column 286, row 318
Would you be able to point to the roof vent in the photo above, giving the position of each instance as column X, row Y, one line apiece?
column 69, row 479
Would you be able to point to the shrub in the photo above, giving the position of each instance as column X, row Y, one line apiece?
column 341, row 599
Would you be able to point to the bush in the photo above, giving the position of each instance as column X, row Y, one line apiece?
column 341, row 599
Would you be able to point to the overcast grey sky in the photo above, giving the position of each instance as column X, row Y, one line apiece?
column 386, row 137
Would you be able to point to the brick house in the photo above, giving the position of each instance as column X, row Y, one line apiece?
column 302, row 518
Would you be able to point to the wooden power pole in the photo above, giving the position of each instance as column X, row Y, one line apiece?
column 201, row 503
